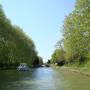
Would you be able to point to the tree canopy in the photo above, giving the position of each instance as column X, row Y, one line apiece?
column 15, row 45
column 76, row 33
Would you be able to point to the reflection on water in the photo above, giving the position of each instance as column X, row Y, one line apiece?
column 43, row 79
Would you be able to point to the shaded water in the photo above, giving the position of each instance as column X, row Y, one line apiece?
column 43, row 79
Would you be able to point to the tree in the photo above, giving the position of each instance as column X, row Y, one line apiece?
column 57, row 56
column 76, row 32
column 15, row 45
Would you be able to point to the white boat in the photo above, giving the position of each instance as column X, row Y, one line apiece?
column 23, row 67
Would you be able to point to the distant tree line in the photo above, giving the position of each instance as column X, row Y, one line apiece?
column 15, row 46
column 76, row 36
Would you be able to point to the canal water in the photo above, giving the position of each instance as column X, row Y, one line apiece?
column 43, row 79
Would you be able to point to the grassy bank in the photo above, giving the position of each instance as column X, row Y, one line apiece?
column 82, row 69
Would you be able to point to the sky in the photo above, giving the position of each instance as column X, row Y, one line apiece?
column 42, row 20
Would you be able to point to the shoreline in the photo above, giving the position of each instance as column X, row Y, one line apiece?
column 81, row 70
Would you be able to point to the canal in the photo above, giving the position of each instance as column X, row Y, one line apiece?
column 43, row 79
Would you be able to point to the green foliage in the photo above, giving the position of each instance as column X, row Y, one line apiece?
column 76, row 36
column 57, row 55
column 87, row 64
column 15, row 45
column 38, row 61
column 76, row 33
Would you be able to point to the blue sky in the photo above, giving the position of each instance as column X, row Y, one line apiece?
column 42, row 20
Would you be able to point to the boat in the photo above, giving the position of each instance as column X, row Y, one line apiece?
column 47, row 65
column 23, row 67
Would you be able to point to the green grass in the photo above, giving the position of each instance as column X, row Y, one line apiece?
column 87, row 64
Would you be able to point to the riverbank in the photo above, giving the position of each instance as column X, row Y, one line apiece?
column 82, row 70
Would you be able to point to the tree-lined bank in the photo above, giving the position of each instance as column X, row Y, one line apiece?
column 76, row 36
column 15, row 46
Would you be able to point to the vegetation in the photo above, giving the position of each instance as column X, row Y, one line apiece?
column 15, row 45
column 76, row 35
column 57, row 56
column 38, row 61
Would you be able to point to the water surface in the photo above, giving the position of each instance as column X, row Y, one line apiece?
column 43, row 79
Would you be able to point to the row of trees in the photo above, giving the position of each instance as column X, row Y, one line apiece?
column 76, row 34
column 15, row 45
